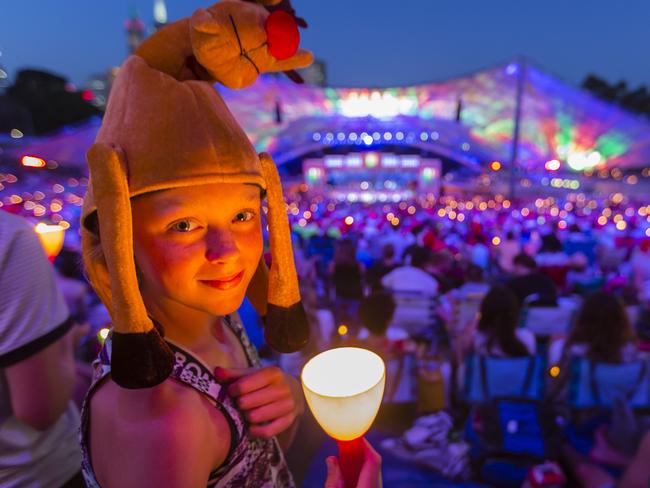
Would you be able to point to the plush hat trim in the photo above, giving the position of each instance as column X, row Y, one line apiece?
column 248, row 178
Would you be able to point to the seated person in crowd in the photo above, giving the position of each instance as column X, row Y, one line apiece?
column 496, row 333
column 450, row 307
column 580, row 273
column 382, row 266
column 38, row 419
column 601, row 332
column 376, row 313
column 528, row 281
column 414, row 277
column 474, row 285
column 552, row 252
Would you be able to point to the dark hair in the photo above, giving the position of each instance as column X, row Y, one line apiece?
column 420, row 257
column 417, row 229
column 345, row 252
column 550, row 243
column 388, row 251
column 376, row 311
column 510, row 235
column 474, row 273
column 69, row 263
column 603, row 325
column 524, row 260
column 499, row 320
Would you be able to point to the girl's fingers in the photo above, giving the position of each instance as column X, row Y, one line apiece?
column 264, row 396
column 334, row 476
column 254, row 380
column 273, row 428
column 271, row 411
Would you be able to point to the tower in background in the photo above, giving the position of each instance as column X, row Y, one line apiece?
column 159, row 14
column 4, row 76
column 135, row 31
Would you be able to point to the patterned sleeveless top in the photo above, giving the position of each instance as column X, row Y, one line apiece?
column 250, row 463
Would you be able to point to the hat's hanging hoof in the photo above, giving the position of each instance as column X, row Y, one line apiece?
column 287, row 329
column 140, row 360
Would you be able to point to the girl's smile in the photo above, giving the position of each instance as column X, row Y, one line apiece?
column 226, row 283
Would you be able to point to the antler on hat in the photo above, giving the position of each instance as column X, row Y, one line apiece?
column 166, row 127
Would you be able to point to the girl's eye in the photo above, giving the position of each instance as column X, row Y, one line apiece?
column 244, row 216
column 184, row 226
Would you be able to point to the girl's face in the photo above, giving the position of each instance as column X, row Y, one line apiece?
column 197, row 246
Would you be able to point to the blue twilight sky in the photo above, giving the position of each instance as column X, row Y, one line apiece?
column 363, row 42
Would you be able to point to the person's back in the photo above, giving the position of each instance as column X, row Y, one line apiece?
column 601, row 332
column 347, row 280
column 497, row 332
column 38, row 421
column 413, row 277
column 480, row 254
column 382, row 266
column 528, row 282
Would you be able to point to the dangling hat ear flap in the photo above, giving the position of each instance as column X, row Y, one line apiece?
column 258, row 289
column 287, row 328
column 140, row 358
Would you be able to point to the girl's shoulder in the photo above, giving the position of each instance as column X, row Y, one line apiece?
column 171, row 421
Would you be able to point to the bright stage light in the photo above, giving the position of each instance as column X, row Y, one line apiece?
column 371, row 160
column 379, row 105
column 552, row 165
column 32, row 162
column 580, row 161
column 495, row 165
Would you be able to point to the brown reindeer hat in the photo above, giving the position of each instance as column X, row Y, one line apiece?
column 165, row 127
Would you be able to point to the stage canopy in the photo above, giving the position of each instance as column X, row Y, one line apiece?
column 469, row 119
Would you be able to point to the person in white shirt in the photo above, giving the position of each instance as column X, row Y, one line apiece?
column 413, row 277
column 413, row 289
column 38, row 420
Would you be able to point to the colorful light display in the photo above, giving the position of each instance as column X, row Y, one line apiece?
column 468, row 119
column 559, row 121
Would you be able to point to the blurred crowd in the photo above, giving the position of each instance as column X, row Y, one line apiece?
column 436, row 286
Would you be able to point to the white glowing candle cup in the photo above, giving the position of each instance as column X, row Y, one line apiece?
column 51, row 237
column 344, row 388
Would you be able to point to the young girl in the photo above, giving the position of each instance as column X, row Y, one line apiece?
column 172, row 237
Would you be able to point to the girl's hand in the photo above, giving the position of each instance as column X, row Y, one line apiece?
column 369, row 477
column 270, row 399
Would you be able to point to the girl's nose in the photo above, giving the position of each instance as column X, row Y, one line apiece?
column 221, row 246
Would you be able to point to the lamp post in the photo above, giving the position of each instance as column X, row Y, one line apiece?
column 344, row 388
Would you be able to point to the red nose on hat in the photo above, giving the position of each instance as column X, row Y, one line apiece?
column 282, row 34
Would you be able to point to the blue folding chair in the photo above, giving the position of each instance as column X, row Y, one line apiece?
column 515, row 430
column 597, row 385
column 593, row 390
column 487, row 378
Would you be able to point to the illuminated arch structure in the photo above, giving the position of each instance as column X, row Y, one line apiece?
column 469, row 120
column 558, row 121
